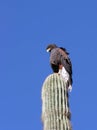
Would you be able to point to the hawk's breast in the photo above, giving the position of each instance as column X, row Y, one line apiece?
column 55, row 56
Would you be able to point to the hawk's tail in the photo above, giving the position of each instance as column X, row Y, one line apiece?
column 66, row 77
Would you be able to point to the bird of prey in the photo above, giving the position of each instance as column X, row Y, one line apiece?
column 61, row 63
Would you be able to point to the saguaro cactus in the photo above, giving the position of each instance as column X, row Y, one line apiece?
column 55, row 105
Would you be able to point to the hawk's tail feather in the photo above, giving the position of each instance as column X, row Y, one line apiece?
column 66, row 77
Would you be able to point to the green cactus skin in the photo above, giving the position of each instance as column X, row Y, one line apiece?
column 55, row 104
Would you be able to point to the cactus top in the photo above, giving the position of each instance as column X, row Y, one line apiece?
column 55, row 104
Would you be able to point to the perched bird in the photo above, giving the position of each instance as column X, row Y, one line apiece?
column 60, row 63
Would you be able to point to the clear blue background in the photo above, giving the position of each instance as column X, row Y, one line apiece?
column 26, row 28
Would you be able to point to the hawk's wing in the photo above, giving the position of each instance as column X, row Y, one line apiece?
column 65, row 61
column 60, row 56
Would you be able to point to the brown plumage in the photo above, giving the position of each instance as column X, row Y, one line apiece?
column 60, row 56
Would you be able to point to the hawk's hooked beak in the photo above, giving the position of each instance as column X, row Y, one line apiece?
column 48, row 50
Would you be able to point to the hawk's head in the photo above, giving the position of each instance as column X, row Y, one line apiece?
column 50, row 47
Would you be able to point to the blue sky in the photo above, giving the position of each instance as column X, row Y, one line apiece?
column 26, row 28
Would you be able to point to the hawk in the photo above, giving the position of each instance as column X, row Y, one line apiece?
column 61, row 63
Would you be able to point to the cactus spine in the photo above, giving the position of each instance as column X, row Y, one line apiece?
column 55, row 105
